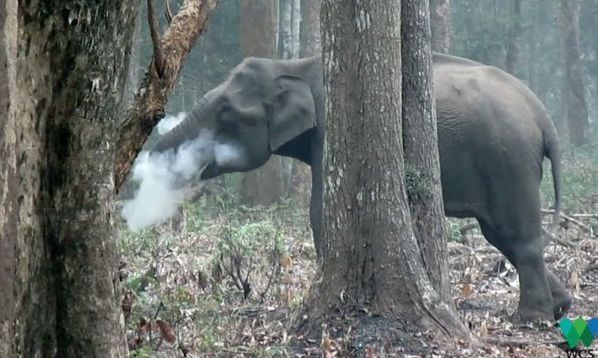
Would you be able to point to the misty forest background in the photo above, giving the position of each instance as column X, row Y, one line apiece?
column 526, row 38
column 227, row 273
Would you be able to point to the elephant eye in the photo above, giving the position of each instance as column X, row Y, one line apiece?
column 225, row 113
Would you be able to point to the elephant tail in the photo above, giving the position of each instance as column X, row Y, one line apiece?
column 553, row 152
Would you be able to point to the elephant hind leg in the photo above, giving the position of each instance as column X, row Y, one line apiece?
column 525, row 252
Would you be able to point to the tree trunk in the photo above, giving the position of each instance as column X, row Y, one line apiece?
column 575, row 105
column 420, row 142
column 296, row 29
column 310, row 28
column 371, row 259
column 263, row 186
column 513, row 48
column 60, row 265
column 440, row 15
column 285, row 30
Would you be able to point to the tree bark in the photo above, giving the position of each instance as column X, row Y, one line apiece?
column 420, row 142
column 148, row 108
column 285, row 31
column 263, row 186
column 371, row 259
column 440, row 15
column 575, row 106
column 66, row 76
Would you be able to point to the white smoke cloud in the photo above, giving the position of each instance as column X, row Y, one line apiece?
column 161, row 175
column 169, row 122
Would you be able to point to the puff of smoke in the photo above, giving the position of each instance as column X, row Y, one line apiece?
column 160, row 176
column 169, row 122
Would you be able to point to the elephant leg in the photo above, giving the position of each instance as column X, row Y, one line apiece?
column 560, row 295
column 524, row 249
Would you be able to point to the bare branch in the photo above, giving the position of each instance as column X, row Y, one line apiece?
column 148, row 107
column 153, row 25
column 168, row 11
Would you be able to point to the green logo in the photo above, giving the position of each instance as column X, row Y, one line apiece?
column 579, row 330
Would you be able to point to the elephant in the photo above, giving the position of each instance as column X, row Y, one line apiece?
column 493, row 135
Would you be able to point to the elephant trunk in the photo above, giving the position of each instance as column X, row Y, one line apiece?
column 189, row 129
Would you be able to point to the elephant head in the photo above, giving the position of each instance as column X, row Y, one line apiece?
column 258, row 110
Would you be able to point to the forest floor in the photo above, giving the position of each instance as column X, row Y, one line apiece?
column 226, row 281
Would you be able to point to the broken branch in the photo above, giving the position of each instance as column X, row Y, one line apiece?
column 168, row 11
column 153, row 26
column 148, row 107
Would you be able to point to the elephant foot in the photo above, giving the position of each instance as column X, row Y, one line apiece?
column 546, row 311
column 560, row 296
column 529, row 315
column 538, row 308
column 562, row 304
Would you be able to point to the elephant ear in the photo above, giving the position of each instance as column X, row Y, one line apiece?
column 293, row 110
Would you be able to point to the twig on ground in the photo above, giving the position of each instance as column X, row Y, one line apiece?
column 521, row 342
column 557, row 239
column 569, row 218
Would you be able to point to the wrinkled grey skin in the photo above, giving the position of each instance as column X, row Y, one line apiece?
column 493, row 136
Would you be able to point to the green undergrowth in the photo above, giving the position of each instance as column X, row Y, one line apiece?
column 211, row 279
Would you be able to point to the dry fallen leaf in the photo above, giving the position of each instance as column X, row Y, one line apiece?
column 466, row 290
column 166, row 331
column 286, row 261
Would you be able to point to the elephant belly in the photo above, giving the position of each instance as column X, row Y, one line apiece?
column 463, row 194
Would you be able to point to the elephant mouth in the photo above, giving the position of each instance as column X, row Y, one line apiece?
column 209, row 171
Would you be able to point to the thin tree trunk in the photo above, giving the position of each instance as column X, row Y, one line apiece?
column 513, row 48
column 285, row 31
column 440, row 16
column 263, row 186
column 420, row 141
column 56, row 184
column 310, row 28
column 576, row 105
column 296, row 29
column 371, row 259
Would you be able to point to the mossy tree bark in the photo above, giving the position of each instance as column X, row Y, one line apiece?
column 420, row 141
column 65, row 80
column 371, row 258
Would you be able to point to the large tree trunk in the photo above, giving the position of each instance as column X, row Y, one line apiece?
column 420, row 142
column 65, row 85
column 259, row 26
column 440, row 12
column 575, row 106
column 371, row 258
